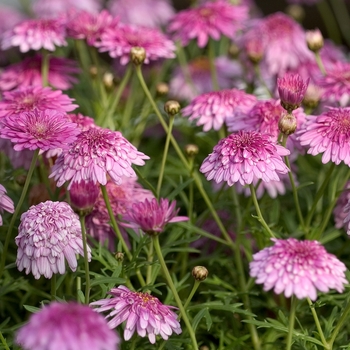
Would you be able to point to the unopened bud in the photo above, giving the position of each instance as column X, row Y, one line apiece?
column 297, row 12
column 83, row 196
column 119, row 256
column 200, row 273
column 233, row 50
column 93, row 71
column 137, row 55
column 172, row 107
column 162, row 89
column 287, row 124
column 254, row 49
column 108, row 80
column 312, row 96
column 314, row 40
column 191, row 150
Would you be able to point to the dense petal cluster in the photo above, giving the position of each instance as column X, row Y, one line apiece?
column 244, row 157
column 6, row 203
column 298, row 268
column 96, row 153
column 48, row 233
column 213, row 108
column 208, row 20
column 67, row 327
column 143, row 313
column 83, row 122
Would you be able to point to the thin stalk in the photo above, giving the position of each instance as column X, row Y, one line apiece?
column 53, row 287
column 4, row 342
column 341, row 14
column 320, row 63
column 86, row 261
column 150, row 261
column 213, row 72
column 261, row 80
column 291, row 323
column 193, row 291
column 45, row 67
column 18, row 209
column 102, row 89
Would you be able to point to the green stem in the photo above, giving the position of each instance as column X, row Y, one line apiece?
column 193, row 291
column 291, row 323
column 342, row 17
column 174, row 291
column 86, row 260
column 18, row 209
column 150, row 266
column 45, row 67
column 4, row 342
column 96, row 62
column 320, row 63
column 213, row 72
column 261, row 80
column 53, row 287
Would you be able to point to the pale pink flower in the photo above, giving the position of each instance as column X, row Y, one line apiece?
column 48, row 234
column 96, row 153
column 28, row 72
column 36, row 34
column 298, row 268
column 67, row 327
column 27, row 99
column 143, row 313
column 339, row 212
column 44, row 130
column 6, row 203
column 121, row 39
column 9, row 17
column 346, row 211
column 213, row 108
column 208, row 20
column 243, row 157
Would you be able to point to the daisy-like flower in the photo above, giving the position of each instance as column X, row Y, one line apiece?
column 36, row 34
column 299, row 268
column 152, row 217
column 143, row 313
column 120, row 40
column 96, row 153
column 329, row 134
column 210, row 19
column 213, row 108
column 67, row 327
column 44, row 130
column 83, row 122
column 28, row 72
column 48, row 233
column 6, row 203
column 27, row 99
column 244, row 157
column 9, row 17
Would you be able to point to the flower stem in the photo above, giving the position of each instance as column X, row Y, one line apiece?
column 18, row 209
column 320, row 63
column 174, row 291
column 86, row 261
column 4, row 342
column 102, row 89
column 341, row 14
column 45, row 67
column 53, row 287
column 213, row 72
column 193, row 291
column 291, row 323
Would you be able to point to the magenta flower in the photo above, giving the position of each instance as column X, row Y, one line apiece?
column 120, row 40
column 47, row 129
column 213, row 108
column 329, row 134
column 244, row 157
column 27, row 99
column 143, row 314
column 83, row 122
column 67, row 327
column 339, row 211
column 152, row 217
column 6, row 203
column 28, row 72
column 36, row 34
column 298, row 268
column 83, row 195
column 48, row 233
column 210, row 19
column 96, row 153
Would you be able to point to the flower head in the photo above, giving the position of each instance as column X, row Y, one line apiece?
column 83, row 122
column 47, row 129
column 66, row 327
column 83, row 195
column 48, row 233
column 210, row 19
column 341, row 209
column 96, row 153
column 6, row 203
column 143, row 314
column 244, row 157
column 298, row 268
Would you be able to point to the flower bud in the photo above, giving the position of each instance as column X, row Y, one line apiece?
column 254, row 49
column 162, row 89
column 233, row 50
column 312, row 96
column 172, row 107
column 108, row 80
column 137, row 55
column 119, row 256
column 191, row 150
column 93, row 71
column 287, row 124
column 200, row 273
column 83, row 196
column 314, row 40
column 297, row 12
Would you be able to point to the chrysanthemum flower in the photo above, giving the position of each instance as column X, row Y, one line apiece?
column 298, row 268
column 6, row 203
column 120, row 40
column 243, row 157
column 212, row 108
column 9, row 17
column 48, row 233
column 329, row 134
column 341, row 209
column 36, row 34
column 210, row 19
column 28, row 72
column 47, row 129
column 83, row 122
column 143, row 313
column 27, row 99
column 18, row 159
column 152, row 217
column 67, row 327
column 95, row 154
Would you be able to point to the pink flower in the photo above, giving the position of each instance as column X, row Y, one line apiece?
column 18, row 159
column 213, row 108
column 48, row 233
column 96, row 153
column 210, row 19
column 120, row 40
column 27, row 99
column 143, row 314
column 84, row 123
column 151, row 217
column 244, row 157
column 83, row 196
column 339, row 211
column 67, row 327
column 9, row 17
column 6, row 203
column 36, row 34
column 28, row 72
column 298, row 268
column 47, row 129
column 329, row 134
column 346, row 212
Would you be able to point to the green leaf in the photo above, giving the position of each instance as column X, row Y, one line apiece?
column 106, row 280
column 202, row 313
column 32, row 309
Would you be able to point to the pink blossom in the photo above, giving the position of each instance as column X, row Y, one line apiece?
column 83, row 122
column 341, row 209
column 6, row 203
